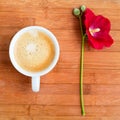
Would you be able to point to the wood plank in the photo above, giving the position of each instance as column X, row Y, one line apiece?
column 74, row 89
column 31, row 13
column 43, row 15
column 8, row 31
column 74, row 118
column 59, row 95
column 18, row 97
column 74, row 100
column 15, row 117
column 23, row 6
column 100, row 60
column 47, row 20
column 54, row 23
column 67, row 45
column 100, row 3
column 22, row 86
column 67, row 4
column 57, row 99
column 90, row 76
column 14, row 110
column 107, row 100
column 63, row 89
column 16, row 21
column 92, row 60
column 35, row 8
column 74, row 110
column 3, row 117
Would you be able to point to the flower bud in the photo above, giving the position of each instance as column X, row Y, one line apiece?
column 76, row 11
column 83, row 8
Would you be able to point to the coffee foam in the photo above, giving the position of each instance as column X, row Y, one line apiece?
column 34, row 51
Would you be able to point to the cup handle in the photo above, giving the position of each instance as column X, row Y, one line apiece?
column 36, row 83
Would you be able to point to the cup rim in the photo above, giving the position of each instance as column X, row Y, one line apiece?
column 39, row 73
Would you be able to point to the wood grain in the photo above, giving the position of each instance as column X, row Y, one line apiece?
column 59, row 96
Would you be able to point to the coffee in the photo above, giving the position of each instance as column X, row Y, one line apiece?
column 34, row 51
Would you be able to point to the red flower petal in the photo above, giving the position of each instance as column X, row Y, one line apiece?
column 95, row 43
column 102, row 23
column 103, row 41
column 108, row 41
column 97, row 30
column 90, row 17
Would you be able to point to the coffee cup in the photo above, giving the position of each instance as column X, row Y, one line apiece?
column 34, row 51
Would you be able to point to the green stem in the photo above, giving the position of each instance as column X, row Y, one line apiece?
column 81, row 68
column 81, row 77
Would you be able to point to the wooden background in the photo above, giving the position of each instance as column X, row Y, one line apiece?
column 59, row 95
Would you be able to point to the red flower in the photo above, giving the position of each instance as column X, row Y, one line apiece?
column 97, row 30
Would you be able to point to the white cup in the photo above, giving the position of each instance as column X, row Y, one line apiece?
column 35, row 76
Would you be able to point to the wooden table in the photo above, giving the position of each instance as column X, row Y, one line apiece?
column 58, row 98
